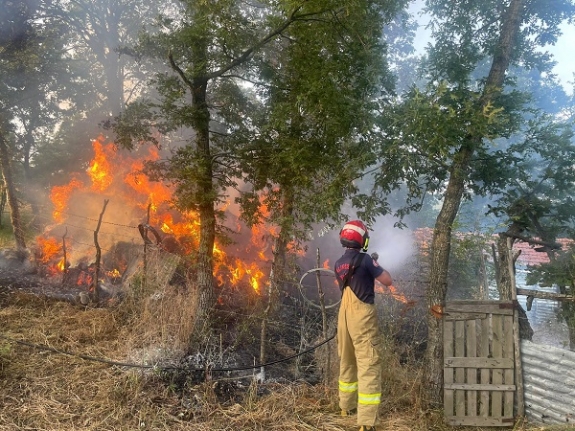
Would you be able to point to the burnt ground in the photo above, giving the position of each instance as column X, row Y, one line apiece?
column 21, row 272
column 22, row 281
column 237, row 316
column 295, row 327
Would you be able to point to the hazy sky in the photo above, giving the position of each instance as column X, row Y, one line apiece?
column 562, row 51
column 565, row 57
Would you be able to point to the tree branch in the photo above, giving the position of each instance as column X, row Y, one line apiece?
column 249, row 51
column 179, row 71
column 554, row 246
column 261, row 84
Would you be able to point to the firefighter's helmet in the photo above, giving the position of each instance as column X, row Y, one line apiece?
column 354, row 235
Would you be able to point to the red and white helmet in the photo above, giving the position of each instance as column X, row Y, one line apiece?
column 354, row 235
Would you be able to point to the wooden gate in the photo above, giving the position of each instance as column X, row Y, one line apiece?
column 479, row 363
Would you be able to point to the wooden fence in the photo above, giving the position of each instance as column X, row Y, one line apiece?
column 480, row 360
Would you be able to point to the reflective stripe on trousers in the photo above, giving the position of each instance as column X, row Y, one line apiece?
column 358, row 337
column 347, row 387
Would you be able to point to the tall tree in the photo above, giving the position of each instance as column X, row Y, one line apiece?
column 440, row 137
column 30, row 57
column 308, row 136
column 213, row 47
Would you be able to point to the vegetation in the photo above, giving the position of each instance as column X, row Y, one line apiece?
column 465, row 106
column 303, row 114
column 41, row 389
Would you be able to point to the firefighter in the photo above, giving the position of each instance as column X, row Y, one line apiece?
column 358, row 333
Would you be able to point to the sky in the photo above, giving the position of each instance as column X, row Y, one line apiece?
column 562, row 51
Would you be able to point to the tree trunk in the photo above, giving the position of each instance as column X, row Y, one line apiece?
column 433, row 371
column 208, row 225
column 197, row 78
column 504, row 281
column 113, row 69
column 440, row 249
column 571, row 327
column 104, row 42
column 206, row 193
column 278, row 269
column 32, row 189
column 568, row 313
column 202, row 191
column 11, row 193
column 511, row 22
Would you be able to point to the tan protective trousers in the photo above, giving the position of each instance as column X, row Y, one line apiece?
column 358, row 337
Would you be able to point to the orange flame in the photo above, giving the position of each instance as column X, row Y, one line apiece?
column 155, row 192
column 49, row 248
column 296, row 249
column 437, row 311
column 60, row 195
column 100, row 170
column 246, row 272
column 114, row 174
column 85, row 279
column 60, row 265
column 114, row 273
column 393, row 292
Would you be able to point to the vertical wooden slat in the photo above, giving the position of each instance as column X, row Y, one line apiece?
column 448, row 404
column 485, row 373
column 471, row 352
column 518, row 368
column 460, row 372
column 516, row 342
column 497, row 352
column 509, row 374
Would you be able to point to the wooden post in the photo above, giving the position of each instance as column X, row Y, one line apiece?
column 516, row 341
column 145, row 278
column 65, row 263
column 484, row 286
column 95, row 281
column 324, row 318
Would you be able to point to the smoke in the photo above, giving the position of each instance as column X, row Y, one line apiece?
column 393, row 245
column 119, row 222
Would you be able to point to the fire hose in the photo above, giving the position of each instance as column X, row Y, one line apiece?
column 302, row 288
column 159, row 367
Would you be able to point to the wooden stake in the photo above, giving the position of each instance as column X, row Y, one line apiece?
column 95, row 281
column 518, row 367
column 65, row 265
column 324, row 318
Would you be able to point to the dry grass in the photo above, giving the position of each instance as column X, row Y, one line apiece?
column 41, row 390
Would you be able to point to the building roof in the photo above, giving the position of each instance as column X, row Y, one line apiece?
column 529, row 255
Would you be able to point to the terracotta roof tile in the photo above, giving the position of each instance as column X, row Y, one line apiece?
column 528, row 256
